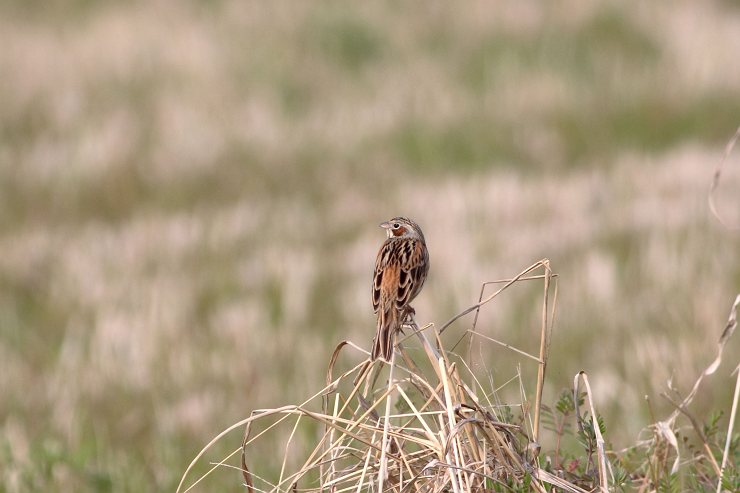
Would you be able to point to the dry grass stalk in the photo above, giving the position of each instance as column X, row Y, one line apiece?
column 665, row 429
column 730, row 428
column 731, row 325
column 545, row 332
column 600, row 444
column 439, row 429
column 663, row 443
column 715, row 182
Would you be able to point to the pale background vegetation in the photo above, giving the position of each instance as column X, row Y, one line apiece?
column 190, row 194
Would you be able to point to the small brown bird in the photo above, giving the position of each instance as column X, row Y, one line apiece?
column 400, row 271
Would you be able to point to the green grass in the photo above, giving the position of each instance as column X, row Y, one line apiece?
column 347, row 40
column 465, row 145
column 647, row 124
column 584, row 55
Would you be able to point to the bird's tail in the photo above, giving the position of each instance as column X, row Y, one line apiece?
column 385, row 334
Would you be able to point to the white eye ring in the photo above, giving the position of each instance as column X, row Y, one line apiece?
column 396, row 225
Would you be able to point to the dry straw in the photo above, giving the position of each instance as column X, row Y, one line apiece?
column 436, row 424
column 716, row 180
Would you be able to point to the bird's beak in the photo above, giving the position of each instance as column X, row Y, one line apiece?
column 385, row 225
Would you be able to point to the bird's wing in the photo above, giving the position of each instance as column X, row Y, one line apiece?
column 400, row 270
column 414, row 264
column 385, row 276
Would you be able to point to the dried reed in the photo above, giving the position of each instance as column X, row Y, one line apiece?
column 437, row 425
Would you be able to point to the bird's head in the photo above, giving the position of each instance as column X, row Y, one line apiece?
column 402, row 227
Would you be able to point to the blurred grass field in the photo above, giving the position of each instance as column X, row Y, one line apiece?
column 191, row 192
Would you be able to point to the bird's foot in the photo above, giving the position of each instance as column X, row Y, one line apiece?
column 407, row 317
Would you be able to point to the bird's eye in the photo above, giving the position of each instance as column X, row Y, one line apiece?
column 396, row 225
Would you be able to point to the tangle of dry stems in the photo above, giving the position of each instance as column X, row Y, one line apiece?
column 434, row 426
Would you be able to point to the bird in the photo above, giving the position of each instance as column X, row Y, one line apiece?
column 401, row 268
